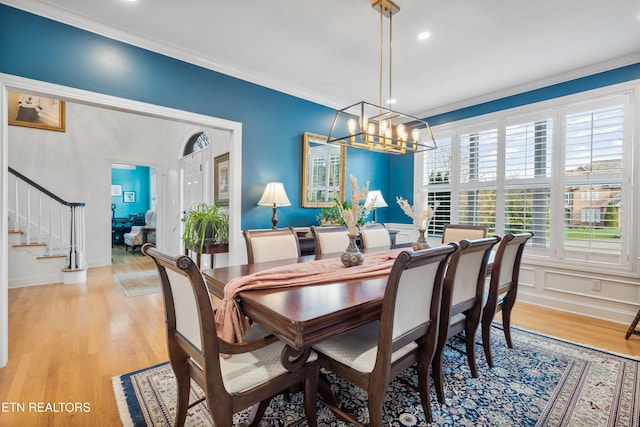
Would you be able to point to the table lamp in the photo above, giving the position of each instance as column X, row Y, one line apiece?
column 375, row 196
column 274, row 196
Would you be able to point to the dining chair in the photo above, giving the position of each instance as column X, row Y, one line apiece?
column 457, row 232
column 329, row 240
column 503, row 288
column 371, row 355
column 271, row 245
column 462, row 299
column 246, row 375
column 375, row 236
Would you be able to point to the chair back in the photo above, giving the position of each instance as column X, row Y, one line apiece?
column 506, row 266
column 271, row 245
column 411, row 304
column 375, row 236
column 330, row 239
column 465, row 278
column 191, row 329
column 458, row 232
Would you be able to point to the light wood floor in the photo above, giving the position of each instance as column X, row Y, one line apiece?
column 66, row 342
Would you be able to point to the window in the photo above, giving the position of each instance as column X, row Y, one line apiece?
column 556, row 170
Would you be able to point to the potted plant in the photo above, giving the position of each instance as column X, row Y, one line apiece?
column 332, row 215
column 205, row 223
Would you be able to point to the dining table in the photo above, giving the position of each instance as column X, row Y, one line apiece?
column 303, row 315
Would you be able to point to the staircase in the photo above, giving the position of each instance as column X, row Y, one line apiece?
column 46, row 235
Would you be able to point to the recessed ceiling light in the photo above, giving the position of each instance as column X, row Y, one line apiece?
column 424, row 35
column 391, row 101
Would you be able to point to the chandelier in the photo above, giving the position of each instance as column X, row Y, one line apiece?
column 377, row 128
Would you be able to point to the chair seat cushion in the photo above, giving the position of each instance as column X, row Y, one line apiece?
column 358, row 347
column 241, row 372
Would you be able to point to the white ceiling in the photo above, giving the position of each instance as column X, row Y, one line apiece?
column 328, row 51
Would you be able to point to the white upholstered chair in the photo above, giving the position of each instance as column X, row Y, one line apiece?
column 133, row 239
column 330, row 240
column 462, row 301
column 271, row 245
column 250, row 377
column 503, row 288
column 371, row 355
column 375, row 236
column 457, row 232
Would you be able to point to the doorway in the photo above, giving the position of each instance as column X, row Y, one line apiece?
column 168, row 178
column 134, row 199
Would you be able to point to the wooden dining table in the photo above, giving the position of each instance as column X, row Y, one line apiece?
column 303, row 315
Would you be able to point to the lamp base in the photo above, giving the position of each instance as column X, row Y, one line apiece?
column 274, row 218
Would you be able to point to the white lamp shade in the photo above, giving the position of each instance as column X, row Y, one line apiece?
column 379, row 200
column 274, row 195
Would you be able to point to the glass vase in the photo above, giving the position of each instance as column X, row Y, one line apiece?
column 422, row 242
column 352, row 255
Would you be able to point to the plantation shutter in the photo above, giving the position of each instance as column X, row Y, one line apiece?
column 477, row 175
column 593, row 178
column 527, row 174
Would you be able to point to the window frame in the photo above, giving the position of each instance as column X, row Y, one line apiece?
column 555, row 109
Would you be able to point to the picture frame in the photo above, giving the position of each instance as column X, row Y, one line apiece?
column 221, row 179
column 116, row 190
column 34, row 111
column 129, row 197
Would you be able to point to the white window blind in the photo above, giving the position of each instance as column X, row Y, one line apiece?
column 557, row 172
column 594, row 151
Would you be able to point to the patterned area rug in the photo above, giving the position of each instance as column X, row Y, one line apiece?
column 139, row 283
column 541, row 381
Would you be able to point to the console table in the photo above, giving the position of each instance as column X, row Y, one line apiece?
column 207, row 249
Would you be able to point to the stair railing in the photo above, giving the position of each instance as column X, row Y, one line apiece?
column 45, row 223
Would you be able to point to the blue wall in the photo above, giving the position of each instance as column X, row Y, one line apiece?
column 273, row 122
column 136, row 180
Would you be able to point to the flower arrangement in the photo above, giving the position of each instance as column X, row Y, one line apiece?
column 420, row 212
column 352, row 215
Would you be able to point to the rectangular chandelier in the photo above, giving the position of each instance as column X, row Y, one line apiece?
column 376, row 128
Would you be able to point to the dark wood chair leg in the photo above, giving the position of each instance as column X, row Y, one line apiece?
column 310, row 389
column 184, row 386
column 486, row 339
column 424, row 389
column 436, row 367
column 632, row 328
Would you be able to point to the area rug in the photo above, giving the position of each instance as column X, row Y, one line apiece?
column 542, row 381
column 138, row 283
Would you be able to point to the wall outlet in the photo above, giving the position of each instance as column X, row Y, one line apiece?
column 596, row 285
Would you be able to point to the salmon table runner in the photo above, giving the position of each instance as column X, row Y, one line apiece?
column 232, row 324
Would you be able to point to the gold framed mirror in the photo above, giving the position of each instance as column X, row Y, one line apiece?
column 323, row 172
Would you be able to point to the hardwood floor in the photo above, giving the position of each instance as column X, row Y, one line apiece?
column 66, row 342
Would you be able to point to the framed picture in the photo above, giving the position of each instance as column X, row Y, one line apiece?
column 129, row 197
column 221, row 178
column 116, row 190
column 35, row 111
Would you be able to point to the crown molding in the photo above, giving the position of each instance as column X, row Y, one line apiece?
column 176, row 52
column 46, row 10
column 537, row 84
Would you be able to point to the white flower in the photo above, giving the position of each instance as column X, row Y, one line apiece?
column 420, row 212
column 358, row 209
